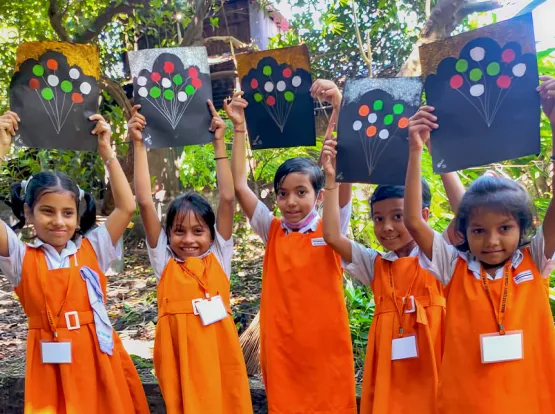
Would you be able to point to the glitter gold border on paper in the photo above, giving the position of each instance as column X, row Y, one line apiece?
column 295, row 56
column 84, row 56
column 519, row 29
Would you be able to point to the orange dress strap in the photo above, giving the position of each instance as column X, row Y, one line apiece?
column 306, row 351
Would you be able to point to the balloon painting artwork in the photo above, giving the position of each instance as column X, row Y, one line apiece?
column 483, row 86
column 172, row 85
column 277, row 86
column 372, row 144
column 54, row 90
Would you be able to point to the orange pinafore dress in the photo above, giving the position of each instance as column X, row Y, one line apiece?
column 201, row 369
column 403, row 385
column 522, row 386
column 94, row 382
column 306, row 352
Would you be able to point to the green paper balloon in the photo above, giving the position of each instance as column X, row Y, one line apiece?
column 461, row 65
column 258, row 97
column 38, row 70
column 289, row 96
column 388, row 119
column 475, row 75
column 267, row 70
column 398, row 109
column 155, row 92
column 47, row 94
column 66, row 86
column 178, row 79
column 493, row 69
column 378, row 105
column 190, row 89
column 168, row 94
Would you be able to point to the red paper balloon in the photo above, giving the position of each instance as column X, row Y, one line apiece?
column 34, row 83
column 270, row 100
column 456, row 81
column 168, row 67
column 508, row 55
column 193, row 72
column 155, row 77
column 503, row 81
column 287, row 72
column 51, row 64
column 197, row 83
column 77, row 98
column 254, row 83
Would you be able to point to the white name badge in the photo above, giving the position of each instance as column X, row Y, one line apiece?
column 500, row 348
column 318, row 241
column 55, row 352
column 404, row 348
column 210, row 310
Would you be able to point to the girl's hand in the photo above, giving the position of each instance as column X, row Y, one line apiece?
column 329, row 154
column 547, row 96
column 8, row 126
column 217, row 125
column 327, row 91
column 136, row 124
column 104, row 132
column 236, row 109
column 420, row 126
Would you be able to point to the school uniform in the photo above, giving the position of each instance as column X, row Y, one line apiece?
column 201, row 369
column 467, row 384
column 306, row 352
column 101, row 376
column 405, row 342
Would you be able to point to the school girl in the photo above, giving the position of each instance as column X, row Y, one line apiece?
column 197, row 355
column 306, row 352
column 500, row 341
column 405, row 342
column 75, row 361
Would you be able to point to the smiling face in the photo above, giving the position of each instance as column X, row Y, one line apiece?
column 189, row 236
column 296, row 197
column 54, row 217
column 492, row 237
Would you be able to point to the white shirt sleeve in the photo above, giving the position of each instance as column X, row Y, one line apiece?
column 261, row 221
column 223, row 250
column 345, row 218
column 106, row 252
column 11, row 266
column 159, row 255
column 362, row 265
column 444, row 259
column 537, row 250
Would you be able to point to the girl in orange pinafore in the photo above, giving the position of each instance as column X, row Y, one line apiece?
column 75, row 361
column 410, row 307
column 198, row 360
column 306, row 352
column 499, row 337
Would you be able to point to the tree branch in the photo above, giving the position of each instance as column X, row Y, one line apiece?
column 530, row 7
column 193, row 32
column 56, row 21
column 224, row 74
column 118, row 94
column 226, row 39
column 476, row 7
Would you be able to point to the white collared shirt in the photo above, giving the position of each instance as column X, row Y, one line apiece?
column 445, row 257
column 161, row 254
column 99, row 238
column 262, row 220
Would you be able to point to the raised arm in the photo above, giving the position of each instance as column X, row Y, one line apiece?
column 331, row 223
column 224, row 217
column 246, row 197
column 8, row 126
column 143, row 189
column 420, row 126
column 547, row 94
column 328, row 91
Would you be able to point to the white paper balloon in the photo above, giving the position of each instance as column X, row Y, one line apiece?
column 143, row 92
column 477, row 90
column 384, row 134
column 281, row 86
column 357, row 125
column 74, row 73
column 53, row 80
column 268, row 87
column 85, row 88
column 296, row 81
column 372, row 118
column 166, row 83
column 519, row 70
column 477, row 54
column 141, row 81
column 181, row 96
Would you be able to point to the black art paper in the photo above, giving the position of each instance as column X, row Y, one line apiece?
column 54, row 102
column 487, row 106
column 281, row 111
column 373, row 130
column 173, row 99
